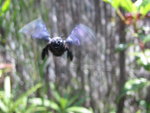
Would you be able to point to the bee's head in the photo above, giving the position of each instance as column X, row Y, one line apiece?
column 57, row 42
column 57, row 46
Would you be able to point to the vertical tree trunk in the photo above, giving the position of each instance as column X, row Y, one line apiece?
column 97, row 15
column 122, row 76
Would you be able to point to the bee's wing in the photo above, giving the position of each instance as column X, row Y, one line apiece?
column 81, row 34
column 36, row 29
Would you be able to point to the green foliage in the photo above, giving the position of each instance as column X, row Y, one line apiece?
column 20, row 105
column 63, row 104
column 142, row 35
column 44, row 102
column 77, row 109
column 145, row 104
column 146, row 38
column 135, row 11
column 5, row 7
column 142, row 7
column 125, row 4
column 132, row 86
column 60, row 106
column 143, row 58
column 24, row 104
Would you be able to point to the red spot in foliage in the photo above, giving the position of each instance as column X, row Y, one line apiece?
column 131, row 18
column 6, row 66
column 142, row 45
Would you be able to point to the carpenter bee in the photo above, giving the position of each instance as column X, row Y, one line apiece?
column 37, row 29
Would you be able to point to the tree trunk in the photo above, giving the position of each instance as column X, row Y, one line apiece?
column 122, row 58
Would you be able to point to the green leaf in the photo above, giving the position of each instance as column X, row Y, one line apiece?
column 146, row 39
column 128, row 6
column 78, row 110
column 7, row 87
column 31, row 109
column 35, row 109
column 143, row 103
column 125, row 4
column 55, row 92
column 144, row 7
column 2, row 93
column 133, row 85
column 143, row 58
column 63, row 102
column 3, row 107
column 23, row 104
column 5, row 7
column 75, row 100
column 29, row 92
column 1, row 73
column 44, row 102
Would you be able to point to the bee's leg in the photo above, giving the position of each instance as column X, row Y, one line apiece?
column 45, row 52
column 69, row 54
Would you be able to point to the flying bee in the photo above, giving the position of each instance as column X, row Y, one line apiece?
column 37, row 29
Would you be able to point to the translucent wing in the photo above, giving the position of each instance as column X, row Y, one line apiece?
column 81, row 34
column 36, row 29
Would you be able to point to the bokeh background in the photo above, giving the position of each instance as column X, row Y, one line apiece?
column 109, row 76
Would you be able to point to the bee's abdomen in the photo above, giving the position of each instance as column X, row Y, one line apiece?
column 57, row 53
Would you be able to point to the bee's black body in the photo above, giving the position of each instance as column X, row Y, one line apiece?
column 57, row 46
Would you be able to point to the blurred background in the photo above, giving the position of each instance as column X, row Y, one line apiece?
column 109, row 76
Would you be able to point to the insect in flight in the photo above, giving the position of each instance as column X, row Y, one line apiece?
column 37, row 29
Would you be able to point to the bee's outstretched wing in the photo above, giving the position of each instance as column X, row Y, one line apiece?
column 81, row 34
column 36, row 29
